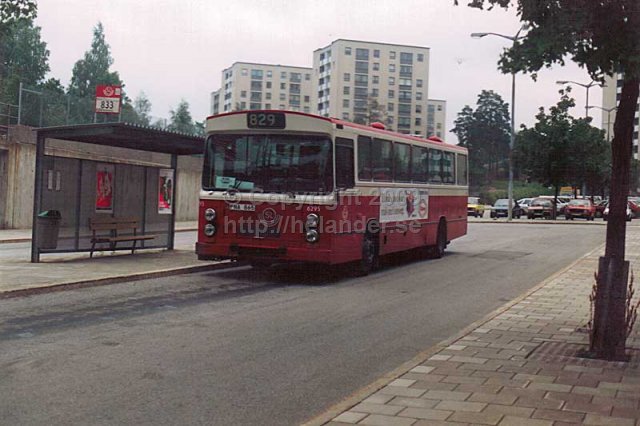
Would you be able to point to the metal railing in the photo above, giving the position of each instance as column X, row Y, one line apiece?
column 8, row 116
column 44, row 108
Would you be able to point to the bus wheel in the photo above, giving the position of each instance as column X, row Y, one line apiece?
column 369, row 261
column 437, row 251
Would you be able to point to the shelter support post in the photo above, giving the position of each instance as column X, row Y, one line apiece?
column 172, row 221
column 37, row 198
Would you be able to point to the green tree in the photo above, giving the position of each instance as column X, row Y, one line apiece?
column 562, row 150
column 141, row 110
column 54, row 103
column 89, row 72
column 13, row 12
column 604, row 37
column 200, row 128
column 374, row 112
column 592, row 154
column 181, row 120
column 485, row 132
column 25, row 59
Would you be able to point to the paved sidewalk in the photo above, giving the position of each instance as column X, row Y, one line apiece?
column 515, row 368
column 18, row 276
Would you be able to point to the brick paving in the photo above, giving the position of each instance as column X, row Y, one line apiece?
column 519, row 367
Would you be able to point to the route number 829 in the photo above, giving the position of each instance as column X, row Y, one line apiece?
column 271, row 120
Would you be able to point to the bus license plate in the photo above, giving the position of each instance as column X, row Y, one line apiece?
column 242, row 207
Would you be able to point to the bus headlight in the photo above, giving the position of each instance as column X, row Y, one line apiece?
column 209, row 230
column 312, row 221
column 210, row 215
column 312, row 236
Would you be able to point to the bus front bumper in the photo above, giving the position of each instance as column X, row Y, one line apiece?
column 275, row 253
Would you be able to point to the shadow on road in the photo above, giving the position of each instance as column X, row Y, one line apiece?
column 210, row 287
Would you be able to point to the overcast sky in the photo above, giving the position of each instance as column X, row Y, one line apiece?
column 176, row 49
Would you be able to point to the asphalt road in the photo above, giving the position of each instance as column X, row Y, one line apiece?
column 241, row 347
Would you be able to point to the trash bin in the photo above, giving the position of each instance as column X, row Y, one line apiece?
column 48, row 229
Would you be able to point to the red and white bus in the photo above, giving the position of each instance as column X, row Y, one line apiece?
column 282, row 186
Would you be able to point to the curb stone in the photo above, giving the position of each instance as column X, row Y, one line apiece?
column 73, row 285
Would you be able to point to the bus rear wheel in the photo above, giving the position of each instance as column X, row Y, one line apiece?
column 437, row 251
column 370, row 260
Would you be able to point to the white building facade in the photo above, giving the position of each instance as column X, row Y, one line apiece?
column 436, row 118
column 363, row 81
column 251, row 86
column 215, row 102
column 610, row 100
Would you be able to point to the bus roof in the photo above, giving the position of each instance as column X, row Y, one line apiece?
column 369, row 128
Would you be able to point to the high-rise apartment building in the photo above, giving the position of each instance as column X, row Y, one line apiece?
column 215, row 102
column 436, row 118
column 363, row 82
column 248, row 86
column 610, row 99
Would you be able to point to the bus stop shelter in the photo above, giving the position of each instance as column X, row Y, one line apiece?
column 91, row 172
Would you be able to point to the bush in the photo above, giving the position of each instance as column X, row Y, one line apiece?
column 499, row 189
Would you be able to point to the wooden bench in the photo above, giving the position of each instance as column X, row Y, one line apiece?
column 107, row 229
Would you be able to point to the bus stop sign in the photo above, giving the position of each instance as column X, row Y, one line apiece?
column 108, row 99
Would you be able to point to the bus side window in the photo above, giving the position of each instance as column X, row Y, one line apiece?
column 462, row 169
column 345, row 172
column 364, row 158
column 448, row 168
column 382, row 156
column 435, row 166
column 419, row 164
column 401, row 162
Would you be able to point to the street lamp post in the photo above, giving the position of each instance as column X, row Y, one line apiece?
column 608, row 111
column 586, row 112
column 514, row 39
column 586, row 86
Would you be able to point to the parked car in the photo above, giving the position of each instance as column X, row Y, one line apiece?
column 600, row 206
column 561, row 202
column 540, row 207
column 580, row 208
column 524, row 204
column 634, row 205
column 561, row 206
column 475, row 207
column 501, row 209
column 629, row 214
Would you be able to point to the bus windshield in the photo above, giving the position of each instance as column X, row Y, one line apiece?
column 298, row 164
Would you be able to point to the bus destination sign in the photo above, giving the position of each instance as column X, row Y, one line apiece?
column 266, row 120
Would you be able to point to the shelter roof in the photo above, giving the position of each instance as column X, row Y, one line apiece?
column 127, row 135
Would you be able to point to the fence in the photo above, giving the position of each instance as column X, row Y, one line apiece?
column 44, row 108
column 8, row 116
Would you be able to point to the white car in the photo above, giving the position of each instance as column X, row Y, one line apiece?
column 605, row 213
column 524, row 204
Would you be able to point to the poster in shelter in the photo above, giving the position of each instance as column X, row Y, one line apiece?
column 165, row 191
column 104, row 188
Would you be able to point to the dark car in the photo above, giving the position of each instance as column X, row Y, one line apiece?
column 580, row 208
column 501, row 209
column 540, row 207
